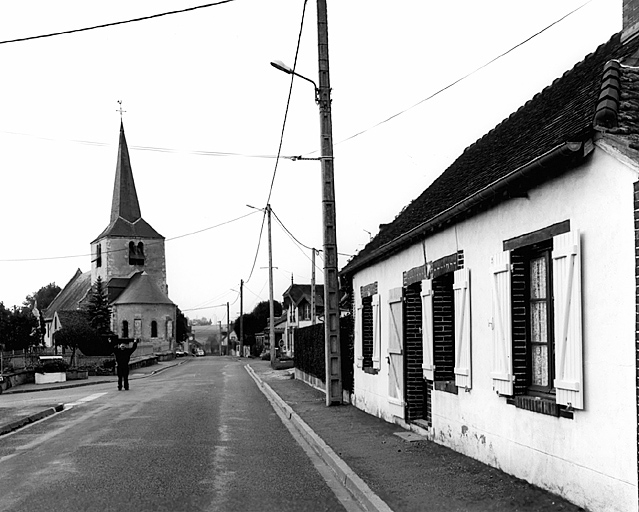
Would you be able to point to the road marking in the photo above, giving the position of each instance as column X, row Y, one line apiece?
column 84, row 400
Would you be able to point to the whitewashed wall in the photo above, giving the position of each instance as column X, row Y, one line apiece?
column 592, row 459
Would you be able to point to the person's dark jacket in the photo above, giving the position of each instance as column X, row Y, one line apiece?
column 123, row 355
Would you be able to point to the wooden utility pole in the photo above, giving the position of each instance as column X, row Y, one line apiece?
column 241, row 317
column 313, row 306
column 271, row 308
column 331, row 279
column 228, row 330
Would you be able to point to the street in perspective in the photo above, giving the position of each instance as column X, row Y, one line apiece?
column 199, row 434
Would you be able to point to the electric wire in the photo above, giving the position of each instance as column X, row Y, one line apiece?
column 115, row 23
column 455, row 82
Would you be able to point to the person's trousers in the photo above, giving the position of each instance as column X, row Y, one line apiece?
column 123, row 377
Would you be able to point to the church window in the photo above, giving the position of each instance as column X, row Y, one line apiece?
column 154, row 329
column 98, row 255
column 136, row 254
column 137, row 328
column 125, row 329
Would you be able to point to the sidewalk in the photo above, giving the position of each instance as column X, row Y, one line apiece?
column 14, row 417
column 415, row 475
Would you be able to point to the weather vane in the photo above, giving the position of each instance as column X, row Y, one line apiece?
column 120, row 109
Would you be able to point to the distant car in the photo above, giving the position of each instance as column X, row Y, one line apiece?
column 199, row 352
column 180, row 353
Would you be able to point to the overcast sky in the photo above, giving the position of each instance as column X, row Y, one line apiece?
column 199, row 83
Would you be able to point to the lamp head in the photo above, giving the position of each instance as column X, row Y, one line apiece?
column 278, row 64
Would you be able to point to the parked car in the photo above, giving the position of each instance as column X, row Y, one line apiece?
column 180, row 353
column 199, row 352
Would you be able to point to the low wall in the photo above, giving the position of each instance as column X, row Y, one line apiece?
column 15, row 379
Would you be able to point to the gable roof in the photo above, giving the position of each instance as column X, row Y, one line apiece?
column 297, row 292
column 126, row 218
column 71, row 295
column 551, row 128
column 73, row 319
column 142, row 289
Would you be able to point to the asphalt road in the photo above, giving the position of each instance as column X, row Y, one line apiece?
column 199, row 436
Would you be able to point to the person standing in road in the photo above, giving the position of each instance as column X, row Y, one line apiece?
column 122, row 353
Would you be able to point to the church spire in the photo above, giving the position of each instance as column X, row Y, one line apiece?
column 125, row 199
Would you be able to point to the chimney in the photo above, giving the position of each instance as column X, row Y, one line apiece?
column 630, row 19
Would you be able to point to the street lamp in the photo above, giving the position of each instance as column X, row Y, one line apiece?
column 331, row 284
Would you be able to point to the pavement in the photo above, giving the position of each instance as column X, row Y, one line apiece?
column 384, row 466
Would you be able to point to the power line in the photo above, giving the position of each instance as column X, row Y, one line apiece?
column 112, row 251
column 433, row 95
column 115, row 23
column 288, row 103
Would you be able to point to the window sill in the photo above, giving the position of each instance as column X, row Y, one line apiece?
column 448, row 386
column 372, row 371
column 540, row 405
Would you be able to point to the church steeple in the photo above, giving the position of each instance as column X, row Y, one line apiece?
column 125, row 199
column 126, row 219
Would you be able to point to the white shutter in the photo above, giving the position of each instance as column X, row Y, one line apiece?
column 377, row 332
column 566, row 268
column 461, row 289
column 501, row 324
column 428, row 364
column 358, row 336
column 395, row 346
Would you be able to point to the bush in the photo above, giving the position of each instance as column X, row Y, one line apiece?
column 57, row 366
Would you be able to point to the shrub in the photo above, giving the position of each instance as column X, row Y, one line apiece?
column 57, row 366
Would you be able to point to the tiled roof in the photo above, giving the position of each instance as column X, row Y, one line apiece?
column 563, row 112
column 142, row 289
column 71, row 295
column 78, row 318
column 296, row 292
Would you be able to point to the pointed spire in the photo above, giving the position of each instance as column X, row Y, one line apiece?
column 125, row 199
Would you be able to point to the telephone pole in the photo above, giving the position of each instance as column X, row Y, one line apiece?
column 331, row 279
column 241, row 317
column 228, row 330
column 313, row 306
column 271, row 307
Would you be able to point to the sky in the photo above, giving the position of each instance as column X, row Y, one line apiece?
column 197, row 86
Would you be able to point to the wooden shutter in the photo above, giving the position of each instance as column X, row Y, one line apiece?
column 359, row 341
column 501, row 324
column 461, row 289
column 377, row 332
column 395, row 345
column 428, row 363
column 566, row 268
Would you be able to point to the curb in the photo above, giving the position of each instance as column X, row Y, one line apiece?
column 355, row 485
column 15, row 425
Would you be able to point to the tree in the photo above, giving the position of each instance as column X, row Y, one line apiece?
column 98, row 309
column 257, row 320
column 182, row 328
column 44, row 296
column 18, row 328
column 76, row 332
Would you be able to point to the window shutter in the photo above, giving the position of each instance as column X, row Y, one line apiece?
column 395, row 346
column 377, row 332
column 501, row 324
column 358, row 337
column 461, row 288
column 428, row 364
column 566, row 268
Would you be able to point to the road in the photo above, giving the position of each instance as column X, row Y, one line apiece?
column 196, row 437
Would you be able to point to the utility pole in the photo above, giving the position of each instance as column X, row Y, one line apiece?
column 228, row 330
column 241, row 317
column 329, row 228
column 313, row 287
column 220, row 324
column 271, row 308
column 331, row 279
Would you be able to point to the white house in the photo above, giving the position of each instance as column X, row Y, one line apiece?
column 497, row 312
column 297, row 305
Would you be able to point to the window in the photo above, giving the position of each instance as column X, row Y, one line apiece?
column 137, row 328
column 306, row 311
column 136, row 254
column 98, row 255
column 169, row 329
column 125, row 329
column 537, row 345
column 154, row 329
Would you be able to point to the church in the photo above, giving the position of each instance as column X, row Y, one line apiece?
column 129, row 258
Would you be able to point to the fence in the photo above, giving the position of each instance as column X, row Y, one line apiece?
column 310, row 350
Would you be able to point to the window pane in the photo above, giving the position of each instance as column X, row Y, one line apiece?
column 538, row 322
column 538, row 278
column 540, row 365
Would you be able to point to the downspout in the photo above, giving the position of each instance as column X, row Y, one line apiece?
column 563, row 153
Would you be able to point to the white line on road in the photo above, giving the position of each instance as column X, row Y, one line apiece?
column 84, row 400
